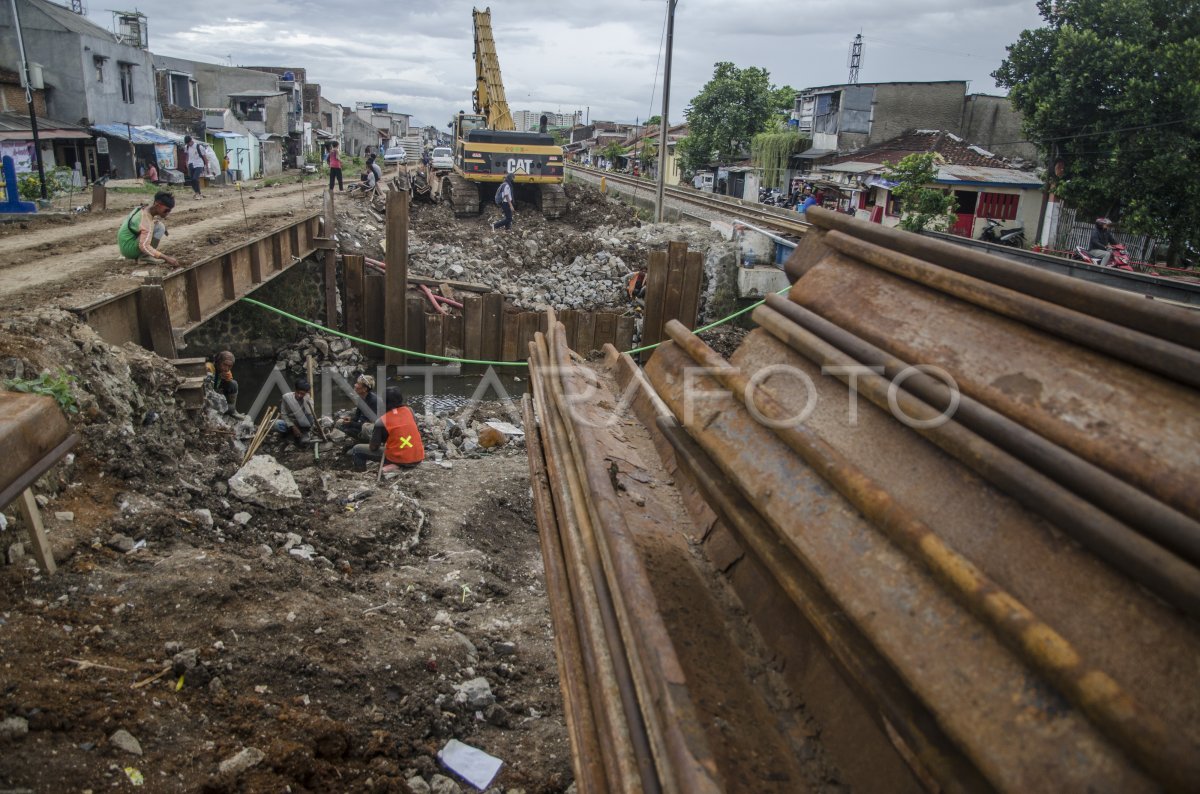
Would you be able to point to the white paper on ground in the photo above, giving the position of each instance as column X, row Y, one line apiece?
column 471, row 764
column 505, row 428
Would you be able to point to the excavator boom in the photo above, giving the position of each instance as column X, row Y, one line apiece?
column 489, row 86
column 489, row 147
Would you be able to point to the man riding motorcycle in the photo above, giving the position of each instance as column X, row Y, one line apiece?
column 1100, row 246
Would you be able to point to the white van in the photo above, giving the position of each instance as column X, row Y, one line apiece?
column 442, row 158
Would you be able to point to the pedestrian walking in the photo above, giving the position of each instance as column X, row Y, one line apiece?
column 194, row 158
column 504, row 197
column 335, row 166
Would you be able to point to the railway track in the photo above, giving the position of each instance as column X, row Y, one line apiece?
column 784, row 222
column 875, row 596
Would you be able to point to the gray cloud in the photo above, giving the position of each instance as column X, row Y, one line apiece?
column 567, row 55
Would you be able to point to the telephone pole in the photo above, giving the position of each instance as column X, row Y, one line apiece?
column 27, row 83
column 664, row 125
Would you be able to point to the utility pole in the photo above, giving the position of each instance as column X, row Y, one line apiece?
column 664, row 125
column 27, row 83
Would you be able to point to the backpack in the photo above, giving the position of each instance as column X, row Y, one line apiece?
column 499, row 198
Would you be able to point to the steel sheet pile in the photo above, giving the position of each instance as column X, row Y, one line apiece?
column 980, row 574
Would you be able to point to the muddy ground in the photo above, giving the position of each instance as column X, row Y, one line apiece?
column 324, row 643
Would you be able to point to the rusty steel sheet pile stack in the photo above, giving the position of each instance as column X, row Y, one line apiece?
column 933, row 526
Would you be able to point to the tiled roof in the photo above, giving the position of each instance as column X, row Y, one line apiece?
column 953, row 150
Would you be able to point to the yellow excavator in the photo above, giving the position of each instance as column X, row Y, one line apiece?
column 488, row 147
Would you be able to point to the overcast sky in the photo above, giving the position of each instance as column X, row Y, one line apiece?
column 603, row 54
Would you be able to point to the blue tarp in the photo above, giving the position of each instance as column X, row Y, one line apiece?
column 137, row 135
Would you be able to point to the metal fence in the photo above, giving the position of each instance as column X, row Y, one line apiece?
column 1072, row 233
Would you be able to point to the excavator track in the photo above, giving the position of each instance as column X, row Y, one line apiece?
column 552, row 200
column 462, row 194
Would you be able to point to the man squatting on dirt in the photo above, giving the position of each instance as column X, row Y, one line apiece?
column 143, row 231
column 297, row 414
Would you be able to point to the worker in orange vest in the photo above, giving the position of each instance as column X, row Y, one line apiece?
column 395, row 438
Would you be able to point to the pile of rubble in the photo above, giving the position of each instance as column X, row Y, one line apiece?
column 327, row 352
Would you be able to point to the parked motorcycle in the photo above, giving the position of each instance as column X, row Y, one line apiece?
column 770, row 196
column 1118, row 260
column 1013, row 237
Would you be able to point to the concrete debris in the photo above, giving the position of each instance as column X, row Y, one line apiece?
column 123, row 740
column 475, row 694
column 265, row 482
column 239, row 763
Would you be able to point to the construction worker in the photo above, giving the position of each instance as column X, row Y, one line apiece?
column 395, row 438
column 143, row 231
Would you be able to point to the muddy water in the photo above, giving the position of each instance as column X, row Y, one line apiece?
column 426, row 389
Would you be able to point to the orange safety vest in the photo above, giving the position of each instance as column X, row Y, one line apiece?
column 403, row 439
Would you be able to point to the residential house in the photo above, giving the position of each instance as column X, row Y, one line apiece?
column 647, row 138
column 357, row 135
column 846, row 117
column 985, row 184
column 391, row 127
column 588, row 141
column 329, row 116
column 91, row 75
column 62, row 143
column 290, row 82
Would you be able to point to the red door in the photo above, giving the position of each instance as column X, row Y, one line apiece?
column 965, row 225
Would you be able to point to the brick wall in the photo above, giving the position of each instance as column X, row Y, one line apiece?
column 12, row 100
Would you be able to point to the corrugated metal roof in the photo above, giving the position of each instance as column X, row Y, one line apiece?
column 852, row 167
column 257, row 93
column 991, row 176
column 138, row 135
column 18, row 122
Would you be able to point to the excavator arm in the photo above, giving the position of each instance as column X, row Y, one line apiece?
column 489, row 86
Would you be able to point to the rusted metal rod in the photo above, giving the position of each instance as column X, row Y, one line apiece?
column 682, row 753
column 1162, row 523
column 1173, row 361
column 1152, row 317
column 614, row 699
column 1170, row 758
column 582, row 721
column 1138, row 557
column 894, row 707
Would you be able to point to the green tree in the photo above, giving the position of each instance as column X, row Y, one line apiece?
column 771, row 151
column 654, row 121
column 647, row 152
column 1110, row 90
column 612, row 151
column 923, row 206
column 733, row 107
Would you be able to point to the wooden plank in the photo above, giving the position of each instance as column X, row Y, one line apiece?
column 415, row 332
column 452, row 329
column 435, row 342
column 352, row 307
column 396, row 289
column 472, row 326
column 529, row 326
column 656, row 293
column 493, row 307
column 606, row 330
column 37, row 533
column 586, row 335
column 510, row 336
column 373, row 309
column 330, row 258
column 677, row 263
column 693, row 279
column 465, row 286
column 624, row 340
column 570, row 322
column 276, row 253
column 152, row 308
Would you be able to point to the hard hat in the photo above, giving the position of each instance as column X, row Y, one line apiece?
column 1105, row 221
